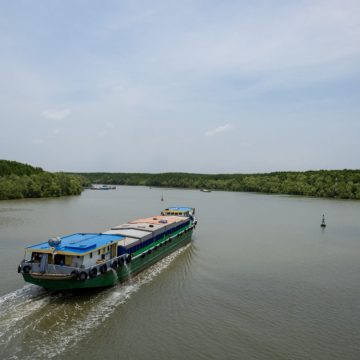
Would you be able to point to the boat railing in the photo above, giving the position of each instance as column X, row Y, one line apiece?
column 67, row 270
column 53, row 269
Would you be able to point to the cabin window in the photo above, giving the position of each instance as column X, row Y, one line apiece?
column 59, row 260
column 36, row 257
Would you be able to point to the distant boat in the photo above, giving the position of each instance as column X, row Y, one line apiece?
column 104, row 187
column 162, row 197
column 323, row 224
column 205, row 190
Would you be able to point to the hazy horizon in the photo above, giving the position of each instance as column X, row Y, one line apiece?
column 193, row 86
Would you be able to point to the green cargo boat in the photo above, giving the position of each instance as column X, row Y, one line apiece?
column 80, row 261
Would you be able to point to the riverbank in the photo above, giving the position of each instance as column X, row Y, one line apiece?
column 342, row 184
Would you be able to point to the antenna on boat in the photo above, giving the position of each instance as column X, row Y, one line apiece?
column 323, row 224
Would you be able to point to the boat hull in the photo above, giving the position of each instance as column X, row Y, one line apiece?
column 112, row 276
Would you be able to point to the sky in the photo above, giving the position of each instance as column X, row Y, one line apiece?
column 193, row 86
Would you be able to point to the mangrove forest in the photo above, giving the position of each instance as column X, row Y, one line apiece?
column 344, row 184
column 19, row 181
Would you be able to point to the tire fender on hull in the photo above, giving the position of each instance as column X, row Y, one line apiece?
column 83, row 276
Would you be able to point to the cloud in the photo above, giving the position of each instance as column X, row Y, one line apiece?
column 102, row 133
column 312, row 39
column 118, row 88
column 140, row 66
column 218, row 130
column 56, row 114
column 37, row 141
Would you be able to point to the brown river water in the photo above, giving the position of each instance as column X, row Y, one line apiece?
column 261, row 280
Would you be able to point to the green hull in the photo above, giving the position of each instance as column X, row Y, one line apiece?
column 112, row 276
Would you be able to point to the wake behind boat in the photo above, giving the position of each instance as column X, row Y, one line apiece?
column 89, row 260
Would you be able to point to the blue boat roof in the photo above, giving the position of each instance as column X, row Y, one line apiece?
column 179, row 208
column 79, row 243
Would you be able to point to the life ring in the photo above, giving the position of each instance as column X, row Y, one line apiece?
column 114, row 264
column 103, row 268
column 83, row 276
column 26, row 269
column 128, row 259
column 93, row 272
column 74, row 274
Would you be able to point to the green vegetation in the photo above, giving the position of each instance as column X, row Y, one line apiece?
column 344, row 184
column 19, row 181
column 24, row 181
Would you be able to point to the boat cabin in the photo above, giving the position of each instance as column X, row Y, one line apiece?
column 76, row 250
column 178, row 211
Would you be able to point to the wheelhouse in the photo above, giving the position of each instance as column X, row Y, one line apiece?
column 178, row 211
column 75, row 250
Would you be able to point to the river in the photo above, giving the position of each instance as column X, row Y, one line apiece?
column 261, row 280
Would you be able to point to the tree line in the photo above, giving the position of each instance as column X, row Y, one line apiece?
column 19, row 181
column 344, row 184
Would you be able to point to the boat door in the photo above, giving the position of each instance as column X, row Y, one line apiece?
column 113, row 250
